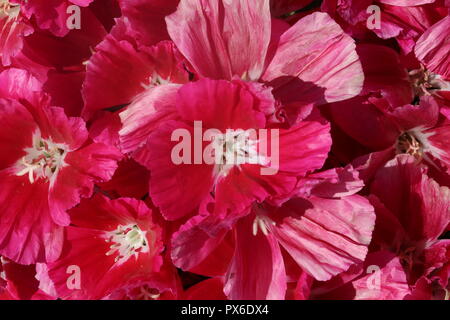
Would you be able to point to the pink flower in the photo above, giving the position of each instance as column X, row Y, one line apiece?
column 179, row 189
column 57, row 61
column 113, row 244
column 412, row 213
column 48, row 165
column 117, row 59
column 396, row 112
column 406, row 260
column 301, row 232
column 224, row 149
column 281, row 60
column 275, row 60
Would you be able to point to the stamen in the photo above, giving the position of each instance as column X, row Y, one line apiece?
column 43, row 160
column 425, row 82
column 234, row 148
column 407, row 143
column 127, row 241
column 262, row 222
column 2, row 273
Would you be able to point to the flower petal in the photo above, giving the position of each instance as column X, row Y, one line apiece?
column 222, row 38
column 325, row 236
column 255, row 274
column 317, row 51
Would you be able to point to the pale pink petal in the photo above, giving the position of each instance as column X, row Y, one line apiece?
column 145, row 114
column 333, row 183
column 12, row 31
column 18, row 84
column 433, row 48
column 317, row 52
column 325, row 236
column 224, row 38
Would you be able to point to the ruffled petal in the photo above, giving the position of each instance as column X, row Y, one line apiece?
column 86, row 166
column 316, row 52
column 223, row 39
column 119, row 71
column 28, row 232
column 325, row 236
column 145, row 114
column 433, row 48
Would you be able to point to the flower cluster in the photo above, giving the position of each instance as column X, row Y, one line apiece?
column 224, row 149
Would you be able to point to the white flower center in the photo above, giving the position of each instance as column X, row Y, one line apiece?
column 234, row 148
column 8, row 9
column 43, row 160
column 127, row 241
